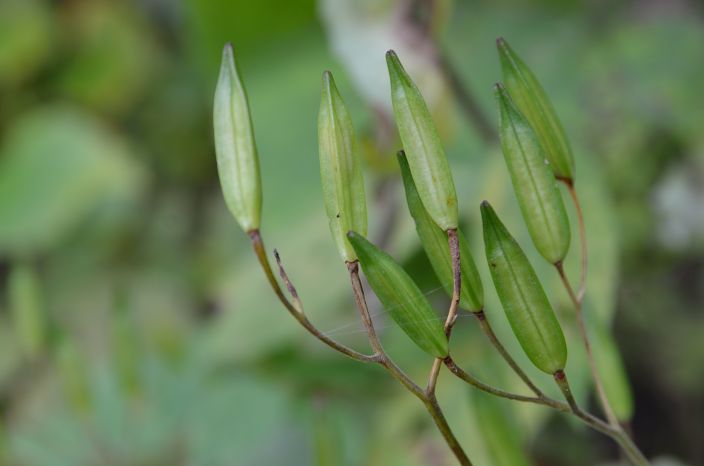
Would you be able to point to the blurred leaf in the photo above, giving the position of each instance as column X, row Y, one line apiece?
column 114, row 55
column 26, row 31
column 28, row 310
column 56, row 166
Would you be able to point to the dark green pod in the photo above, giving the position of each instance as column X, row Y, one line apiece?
column 534, row 184
column 434, row 241
column 522, row 296
column 426, row 156
column 401, row 297
column 340, row 169
column 533, row 102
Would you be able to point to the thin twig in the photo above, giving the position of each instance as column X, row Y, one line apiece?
column 598, row 384
column 582, row 239
column 489, row 332
column 615, row 432
column 453, row 241
column 429, row 400
column 296, row 310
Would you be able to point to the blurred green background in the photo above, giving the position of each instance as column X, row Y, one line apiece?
column 135, row 326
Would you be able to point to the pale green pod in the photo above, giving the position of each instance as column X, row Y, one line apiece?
column 425, row 153
column 610, row 366
column 534, row 184
column 527, row 308
column 533, row 102
column 235, row 149
column 27, row 310
column 437, row 248
column 340, row 169
column 401, row 297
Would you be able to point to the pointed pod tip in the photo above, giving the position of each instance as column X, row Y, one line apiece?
column 392, row 61
column 327, row 79
column 401, row 153
column 487, row 211
column 501, row 42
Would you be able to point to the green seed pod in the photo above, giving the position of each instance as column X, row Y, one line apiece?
column 610, row 365
column 420, row 139
column 533, row 102
column 533, row 182
column 522, row 296
column 401, row 297
column 436, row 247
column 27, row 308
column 235, row 150
column 340, row 169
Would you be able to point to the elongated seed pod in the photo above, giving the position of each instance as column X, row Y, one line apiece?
column 533, row 182
column 340, row 169
column 610, row 365
column 235, row 150
column 420, row 139
column 436, row 247
column 401, row 297
column 533, row 102
column 522, row 296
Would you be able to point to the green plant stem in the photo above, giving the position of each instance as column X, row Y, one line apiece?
column 428, row 398
column 296, row 308
column 561, row 380
column 489, row 332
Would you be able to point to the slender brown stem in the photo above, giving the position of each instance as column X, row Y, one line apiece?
column 582, row 239
column 436, row 413
column 296, row 308
column 615, row 432
column 470, row 379
column 453, row 241
column 469, row 105
column 598, row 384
column 489, row 332
column 358, row 292
column 428, row 398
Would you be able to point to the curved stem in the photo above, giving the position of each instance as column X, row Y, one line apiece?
column 296, row 308
column 428, row 398
column 489, row 332
column 582, row 239
column 598, row 384
column 615, row 432
column 470, row 379
column 453, row 241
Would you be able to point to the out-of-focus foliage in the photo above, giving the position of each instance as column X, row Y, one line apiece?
column 160, row 343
